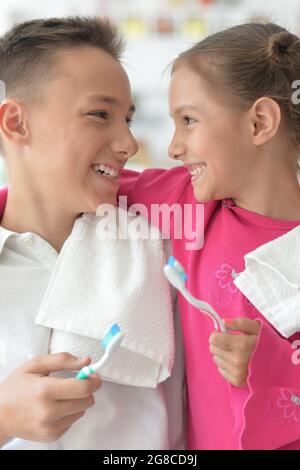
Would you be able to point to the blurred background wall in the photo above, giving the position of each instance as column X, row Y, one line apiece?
column 156, row 31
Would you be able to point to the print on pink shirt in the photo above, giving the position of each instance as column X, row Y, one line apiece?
column 224, row 289
column 286, row 407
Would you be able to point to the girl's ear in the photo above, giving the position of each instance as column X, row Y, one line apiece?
column 265, row 118
column 13, row 123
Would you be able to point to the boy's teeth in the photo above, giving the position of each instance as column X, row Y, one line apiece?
column 106, row 171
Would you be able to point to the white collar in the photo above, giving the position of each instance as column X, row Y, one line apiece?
column 4, row 235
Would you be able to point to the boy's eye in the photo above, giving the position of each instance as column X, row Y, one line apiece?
column 104, row 115
column 100, row 114
column 188, row 120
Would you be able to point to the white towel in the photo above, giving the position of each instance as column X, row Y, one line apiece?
column 97, row 282
column 271, row 281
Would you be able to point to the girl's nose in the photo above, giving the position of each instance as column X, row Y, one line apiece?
column 176, row 149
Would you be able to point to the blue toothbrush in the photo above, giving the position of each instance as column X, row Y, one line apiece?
column 177, row 277
column 111, row 341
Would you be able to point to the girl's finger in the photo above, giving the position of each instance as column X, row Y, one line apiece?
column 249, row 327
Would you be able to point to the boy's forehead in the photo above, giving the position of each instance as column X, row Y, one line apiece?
column 88, row 74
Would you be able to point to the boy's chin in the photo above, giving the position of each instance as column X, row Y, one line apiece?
column 95, row 204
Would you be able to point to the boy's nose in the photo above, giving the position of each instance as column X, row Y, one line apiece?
column 126, row 146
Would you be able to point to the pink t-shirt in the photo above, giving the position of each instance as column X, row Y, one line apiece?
column 221, row 416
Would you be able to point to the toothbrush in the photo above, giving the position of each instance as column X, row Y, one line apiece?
column 111, row 341
column 177, row 277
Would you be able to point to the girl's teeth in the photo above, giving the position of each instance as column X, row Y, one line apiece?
column 198, row 170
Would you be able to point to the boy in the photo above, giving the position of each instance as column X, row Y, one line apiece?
column 67, row 109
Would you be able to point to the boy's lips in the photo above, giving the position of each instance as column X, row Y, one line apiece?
column 107, row 171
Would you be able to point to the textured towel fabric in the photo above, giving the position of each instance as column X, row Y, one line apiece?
column 271, row 281
column 98, row 281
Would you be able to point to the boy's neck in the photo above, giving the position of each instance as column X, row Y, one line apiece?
column 26, row 214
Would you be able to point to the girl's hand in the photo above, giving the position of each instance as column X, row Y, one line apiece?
column 232, row 352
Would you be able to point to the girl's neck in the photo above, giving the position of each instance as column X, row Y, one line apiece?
column 274, row 192
column 25, row 212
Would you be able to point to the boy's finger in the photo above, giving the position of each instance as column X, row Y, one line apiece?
column 69, row 407
column 46, row 364
column 69, row 389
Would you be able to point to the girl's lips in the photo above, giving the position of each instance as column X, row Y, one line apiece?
column 196, row 170
column 194, row 166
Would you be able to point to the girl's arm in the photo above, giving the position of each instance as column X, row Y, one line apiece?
column 268, row 414
column 154, row 186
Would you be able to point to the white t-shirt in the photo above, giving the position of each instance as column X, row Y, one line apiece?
column 123, row 417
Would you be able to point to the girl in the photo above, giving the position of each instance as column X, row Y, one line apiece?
column 236, row 133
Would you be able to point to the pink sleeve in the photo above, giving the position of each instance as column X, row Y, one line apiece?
column 153, row 187
column 3, row 197
column 271, row 407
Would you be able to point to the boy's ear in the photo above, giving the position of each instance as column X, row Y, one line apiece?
column 12, row 122
column 265, row 119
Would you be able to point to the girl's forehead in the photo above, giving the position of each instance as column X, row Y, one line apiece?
column 186, row 86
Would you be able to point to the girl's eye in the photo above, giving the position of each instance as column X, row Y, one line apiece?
column 100, row 114
column 188, row 120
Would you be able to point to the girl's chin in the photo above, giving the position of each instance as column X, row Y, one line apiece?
column 202, row 196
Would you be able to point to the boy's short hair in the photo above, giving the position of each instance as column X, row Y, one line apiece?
column 29, row 51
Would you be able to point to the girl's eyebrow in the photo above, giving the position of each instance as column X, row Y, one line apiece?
column 184, row 107
column 110, row 100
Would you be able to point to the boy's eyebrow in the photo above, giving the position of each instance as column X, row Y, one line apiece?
column 109, row 100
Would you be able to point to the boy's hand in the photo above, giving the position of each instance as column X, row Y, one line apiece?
column 36, row 407
column 232, row 352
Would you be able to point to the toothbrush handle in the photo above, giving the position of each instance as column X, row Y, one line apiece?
column 206, row 308
column 88, row 370
column 101, row 362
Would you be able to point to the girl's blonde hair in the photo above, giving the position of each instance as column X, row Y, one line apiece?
column 247, row 62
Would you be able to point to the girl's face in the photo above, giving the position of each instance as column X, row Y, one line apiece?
column 211, row 139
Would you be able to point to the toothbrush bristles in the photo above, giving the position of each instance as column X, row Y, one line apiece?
column 177, row 266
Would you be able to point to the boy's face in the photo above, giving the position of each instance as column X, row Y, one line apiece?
column 81, row 124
